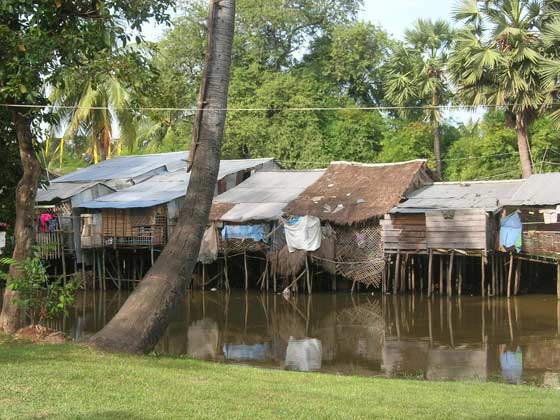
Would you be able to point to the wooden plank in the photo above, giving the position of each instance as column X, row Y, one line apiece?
column 395, row 234
column 468, row 235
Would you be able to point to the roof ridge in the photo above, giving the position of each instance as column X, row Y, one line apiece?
column 343, row 162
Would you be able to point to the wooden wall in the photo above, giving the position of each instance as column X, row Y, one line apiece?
column 458, row 229
column 404, row 232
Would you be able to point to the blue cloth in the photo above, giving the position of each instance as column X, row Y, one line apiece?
column 254, row 232
column 511, row 231
column 293, row 221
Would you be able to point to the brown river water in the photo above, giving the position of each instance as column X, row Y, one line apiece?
column 468, row 338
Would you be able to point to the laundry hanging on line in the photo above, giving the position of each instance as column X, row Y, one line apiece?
column 303, row 233
column 254, row 232
column 511, row 232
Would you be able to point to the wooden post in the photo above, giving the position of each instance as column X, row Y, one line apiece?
column 119, row 275
column 226, row 271
column 558, row 279
column 103, row 268
column 460, row 266
column 203, row 276
column 84, row 272
column 482, row 274
column 430, row 267
column 396, row 280
column 517, row 277
column 413, row 275
column 493, row 269
column 384, row 278
column 93, row 269
column 307, row 275
column 63, row 259
column 450, row 275
column 245, row 270
column 441, row 275
column 152, row 258
column 510, row 272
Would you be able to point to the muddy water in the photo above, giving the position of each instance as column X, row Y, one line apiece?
column 516, row 341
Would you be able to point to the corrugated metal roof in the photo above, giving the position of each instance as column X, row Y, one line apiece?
column 126, row 167
column 265, row 194
column 62, row 190
column 488, row 195
column 166, row 187
column 538, row 190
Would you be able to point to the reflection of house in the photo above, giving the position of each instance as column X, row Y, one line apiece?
column 457, row 365
column 304, row 355
column 404, row 357
column 202, row 339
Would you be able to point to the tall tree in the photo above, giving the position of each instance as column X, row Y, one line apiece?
column 417, row 75
column 39, row 39
column 497, row 61
column 145, row 315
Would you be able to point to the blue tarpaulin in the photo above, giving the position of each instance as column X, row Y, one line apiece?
column 511, row 232
column 254, row 232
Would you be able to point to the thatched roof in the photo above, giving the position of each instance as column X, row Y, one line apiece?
column 349, row 193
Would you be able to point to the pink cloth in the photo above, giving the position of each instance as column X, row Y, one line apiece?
column 44, row 220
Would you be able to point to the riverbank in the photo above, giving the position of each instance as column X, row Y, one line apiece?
column 72, row 382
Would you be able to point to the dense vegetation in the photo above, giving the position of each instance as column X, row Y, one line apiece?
column 291, row 62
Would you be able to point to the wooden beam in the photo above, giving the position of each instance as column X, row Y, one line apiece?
column 440, row 276
column 517, row 277
column 397, row 276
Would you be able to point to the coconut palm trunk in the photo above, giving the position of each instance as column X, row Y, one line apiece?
column 142, row 320
column 523, row 146
column 11, row 318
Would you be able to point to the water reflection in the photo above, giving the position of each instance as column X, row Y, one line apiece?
column 469, row 338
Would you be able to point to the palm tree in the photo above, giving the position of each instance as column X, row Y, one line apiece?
column 497, row 59
column 417, row 74
column 91, row 106
column 145, row 315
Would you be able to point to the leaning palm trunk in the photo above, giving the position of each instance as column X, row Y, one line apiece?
column 11, row 317
column 140, row 323
column 523, row 146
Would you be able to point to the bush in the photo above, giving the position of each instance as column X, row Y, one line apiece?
column 38, row 297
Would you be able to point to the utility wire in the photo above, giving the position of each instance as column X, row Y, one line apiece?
column 312, row 108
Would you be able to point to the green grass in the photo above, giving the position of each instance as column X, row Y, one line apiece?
column 73, row 382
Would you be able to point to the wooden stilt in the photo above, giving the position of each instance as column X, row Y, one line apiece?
column 441, row 275
column 558, row 280
column 404, row 274
column 119, row 267
column 63, row 260
column 510, row 273
column 430, row 277
column 307, row 274
column 482, row 274
column 450, row 275
column 493, row 268
column 226, row 271
column 93, row 270
column 84, row 282
column 203, row 276
column 245, row 270
column 152, row 257
column 413, row 275
column 460, row 267
column 517, row 277
column 396, row 280
column 384, row 278
column 103, row 269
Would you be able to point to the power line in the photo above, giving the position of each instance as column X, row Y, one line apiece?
column 261, row 109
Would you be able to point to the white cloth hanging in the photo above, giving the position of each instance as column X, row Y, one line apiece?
column 303, row 233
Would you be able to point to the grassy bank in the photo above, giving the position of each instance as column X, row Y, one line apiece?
column 71, row 382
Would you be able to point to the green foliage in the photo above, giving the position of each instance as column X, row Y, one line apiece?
column 38, row 297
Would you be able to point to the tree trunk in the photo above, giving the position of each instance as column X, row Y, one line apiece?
column 142, row 320
column 523, row 146
column 11, row 317
column 437, row 149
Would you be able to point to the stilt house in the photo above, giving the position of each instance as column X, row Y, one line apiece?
column 58, row 206
column 352, row 198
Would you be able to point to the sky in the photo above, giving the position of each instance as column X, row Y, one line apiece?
column 397, row 15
